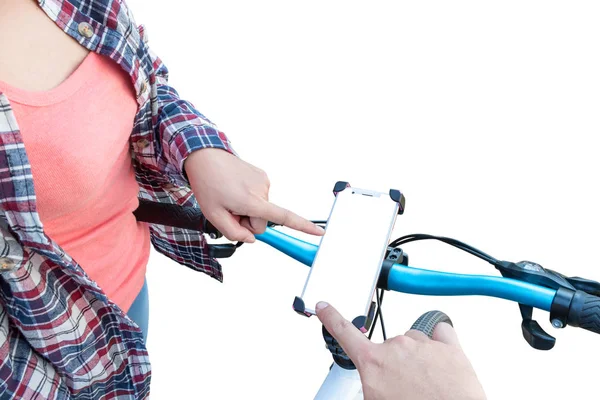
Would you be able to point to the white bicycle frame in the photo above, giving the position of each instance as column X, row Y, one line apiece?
column 341, row 384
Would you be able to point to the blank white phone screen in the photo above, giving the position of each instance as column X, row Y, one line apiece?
column 347, row 264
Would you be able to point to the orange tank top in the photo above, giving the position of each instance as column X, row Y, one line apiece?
column 77, row 141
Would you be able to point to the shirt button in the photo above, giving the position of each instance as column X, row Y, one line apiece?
column 143, row 86
column 85, row 29
column 6, row 264
column 142, row 144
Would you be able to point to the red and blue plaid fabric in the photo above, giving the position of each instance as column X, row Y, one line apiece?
column 60, row 336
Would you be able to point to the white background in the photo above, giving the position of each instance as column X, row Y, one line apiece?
column 485, row 114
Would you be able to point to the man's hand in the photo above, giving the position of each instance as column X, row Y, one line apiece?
column 234, row 196
column 411, row 367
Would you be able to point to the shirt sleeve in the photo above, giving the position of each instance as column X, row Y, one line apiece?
column 180, row 127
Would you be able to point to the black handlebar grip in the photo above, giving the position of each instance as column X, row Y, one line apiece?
column 585, row 311
column 174, row 215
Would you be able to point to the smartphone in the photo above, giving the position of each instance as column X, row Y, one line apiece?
column 348, row 261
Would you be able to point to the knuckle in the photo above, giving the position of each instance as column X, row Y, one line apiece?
column 253, row 205
column 400, row 341
column 244, row 208
column 263, row 175
column 260, row 229
column 341, row 325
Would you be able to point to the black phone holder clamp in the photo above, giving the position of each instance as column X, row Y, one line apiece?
column 363, row 323
column 339, row 355
column 531, row 272
column 395, row 194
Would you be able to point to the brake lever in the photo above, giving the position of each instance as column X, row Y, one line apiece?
column 531, row 272
column 533, row 333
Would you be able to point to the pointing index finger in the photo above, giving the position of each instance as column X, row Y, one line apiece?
column 285, row 217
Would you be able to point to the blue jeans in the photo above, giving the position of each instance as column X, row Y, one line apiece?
column 139, row 311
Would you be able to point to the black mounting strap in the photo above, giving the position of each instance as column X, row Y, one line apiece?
column 339, row 355
column 394, row 255
column 559, row 311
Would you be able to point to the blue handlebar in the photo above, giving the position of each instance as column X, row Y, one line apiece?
column 426, row 282
column 434, row 283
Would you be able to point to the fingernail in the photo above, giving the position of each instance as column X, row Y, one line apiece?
column 321, row 306
column 320, row 230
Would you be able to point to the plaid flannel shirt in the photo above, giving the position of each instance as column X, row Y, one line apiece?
column 60, row 336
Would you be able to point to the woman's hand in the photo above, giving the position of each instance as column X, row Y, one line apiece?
column 234, row 196
column 411, row 367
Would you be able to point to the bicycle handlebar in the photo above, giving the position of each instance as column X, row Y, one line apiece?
column 567, row 307
column 406, row 279
column 582, row 310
